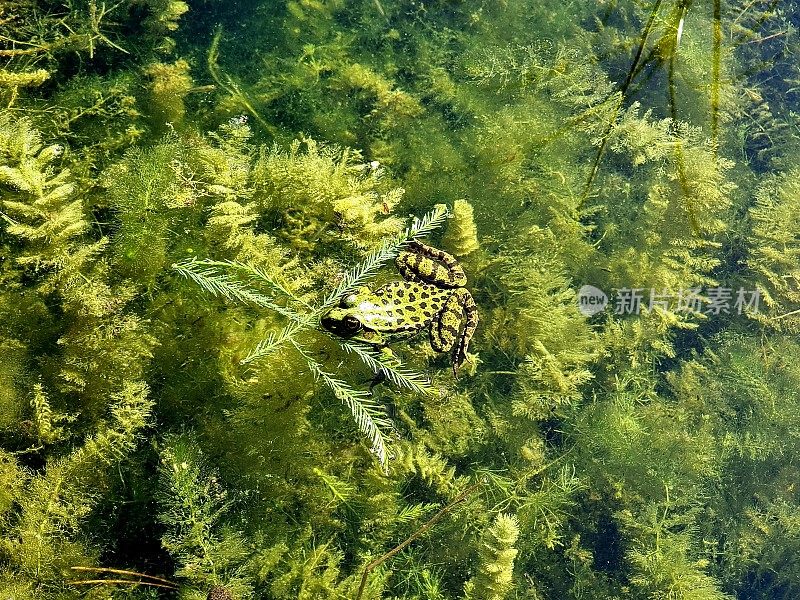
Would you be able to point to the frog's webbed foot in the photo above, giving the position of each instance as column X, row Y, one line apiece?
column 378, row 379
column 453, row 327
column 388, row 358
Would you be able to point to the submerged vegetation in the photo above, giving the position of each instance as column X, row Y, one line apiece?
column 184, row 193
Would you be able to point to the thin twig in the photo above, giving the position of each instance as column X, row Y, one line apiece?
column 622, row 91
column 425, row 527
column 118, row 581
column 226, row 82
column 764, row 39
column 789, row 314
column 155, row 581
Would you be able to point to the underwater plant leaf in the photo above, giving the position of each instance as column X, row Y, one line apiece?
column 57, row 500
column 261, row 275
column 363, row 271
column 275, row 340
column 461, row 235
column 39, row 198
column 192, row 506
column 208, row 275
column 665, row 570
column 395, row 373
column 369, row 416
column 414, row 512
column 774, row 256
column 342, row 491
column 497, row 553
column 213, row 276
column 424, row 226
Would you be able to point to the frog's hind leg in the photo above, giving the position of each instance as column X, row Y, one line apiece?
column 423, row 263
column 470, row 325
column 453, row 327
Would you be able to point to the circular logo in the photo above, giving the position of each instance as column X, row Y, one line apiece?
column 591, row 300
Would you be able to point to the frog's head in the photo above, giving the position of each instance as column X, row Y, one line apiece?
column 342, row 320
column 360, row 316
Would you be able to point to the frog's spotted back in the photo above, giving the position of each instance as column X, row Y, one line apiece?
column 412, row 304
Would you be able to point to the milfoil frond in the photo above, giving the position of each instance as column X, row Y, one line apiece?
column 369, row 416
column 215, row 277
column 274, row 341
column 255, row 275
column 258, row 274
column 414, row 512
column 393, row 371
column 419, row 228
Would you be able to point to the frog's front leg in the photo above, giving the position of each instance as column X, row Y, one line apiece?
column 453, row 327
column 425, row 264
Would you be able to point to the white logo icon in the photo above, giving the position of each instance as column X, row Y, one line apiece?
column 591, row 300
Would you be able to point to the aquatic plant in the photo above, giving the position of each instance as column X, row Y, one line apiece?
column 81, row 27
column 170, row 84
column 461, row 235
column 43, row 537
column 775, row 253
column 45, row 214
column 497, row 561
column 326, row 193
column 191, row 506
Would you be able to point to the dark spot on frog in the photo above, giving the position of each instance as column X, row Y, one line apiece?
column 449, row 329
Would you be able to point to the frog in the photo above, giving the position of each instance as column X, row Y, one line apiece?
column 431, row 296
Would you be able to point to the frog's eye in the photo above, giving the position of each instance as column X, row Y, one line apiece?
column 349, row 301
column 352, row 323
